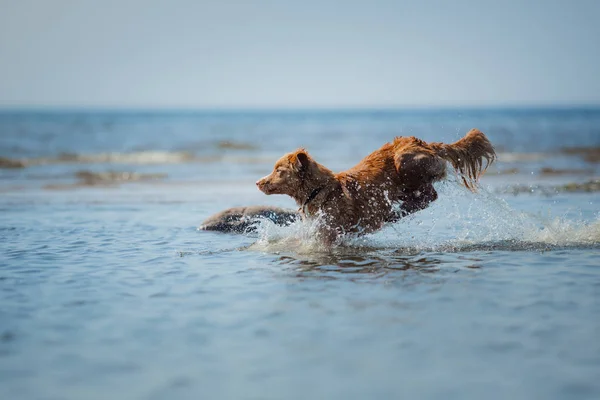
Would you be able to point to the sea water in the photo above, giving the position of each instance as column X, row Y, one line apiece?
column 108, row 290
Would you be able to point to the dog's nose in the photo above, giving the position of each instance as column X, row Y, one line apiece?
column 262, row 182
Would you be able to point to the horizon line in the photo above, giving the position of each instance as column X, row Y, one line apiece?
column 291, row 109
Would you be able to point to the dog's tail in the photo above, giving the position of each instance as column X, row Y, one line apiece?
column 467, row 156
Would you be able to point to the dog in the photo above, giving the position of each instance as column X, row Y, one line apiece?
column 362, row 199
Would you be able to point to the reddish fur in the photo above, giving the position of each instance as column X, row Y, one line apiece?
column 360, row 200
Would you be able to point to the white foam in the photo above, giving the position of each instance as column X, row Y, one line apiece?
column 507, row 157
column 140, row 157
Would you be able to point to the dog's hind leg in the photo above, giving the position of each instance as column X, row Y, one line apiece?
column 417, row 168
column 417, row 171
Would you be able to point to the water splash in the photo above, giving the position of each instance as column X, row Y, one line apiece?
column 301, row 237
column 458, row 221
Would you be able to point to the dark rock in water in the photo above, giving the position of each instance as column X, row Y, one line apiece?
column 549, row 171
column 550, row 190
column 229, row 145
column 509, row 171
column 243, row 219
column 589, row 154
column 589, row 186
column 105, row 179
column 10, row 163
column 110, row 177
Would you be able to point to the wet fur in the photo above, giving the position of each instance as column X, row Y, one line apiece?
column 361, row 199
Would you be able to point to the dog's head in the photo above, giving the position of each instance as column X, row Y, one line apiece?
column 288, row 174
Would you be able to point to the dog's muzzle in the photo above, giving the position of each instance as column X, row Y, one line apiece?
column 263, row 185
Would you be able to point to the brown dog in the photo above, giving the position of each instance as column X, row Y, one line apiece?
column 361, row 199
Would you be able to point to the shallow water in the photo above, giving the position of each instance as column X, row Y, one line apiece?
column 109, row 291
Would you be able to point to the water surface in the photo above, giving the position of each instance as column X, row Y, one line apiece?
column 108, row 290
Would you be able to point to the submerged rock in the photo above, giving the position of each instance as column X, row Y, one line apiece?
column 230, row 145
column 589, row 186
column 244, row 219
column 549, row 171
column 549, row 190
column 10, row 163
column 590, row 154
column 95, row 178
column 105, row 179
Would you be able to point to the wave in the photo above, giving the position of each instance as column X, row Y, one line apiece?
column 138, row 158
column 242, row 152
column 509, row 157
column 141, row 157
column 459, row 221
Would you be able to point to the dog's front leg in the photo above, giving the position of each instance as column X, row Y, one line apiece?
column 417, row 200
column 328, row 236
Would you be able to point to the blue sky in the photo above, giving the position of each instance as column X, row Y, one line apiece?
column 298, row 54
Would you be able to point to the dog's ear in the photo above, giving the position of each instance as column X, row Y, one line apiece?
column 302, row 160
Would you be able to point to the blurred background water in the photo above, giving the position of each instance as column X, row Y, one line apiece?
column 107, row 289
